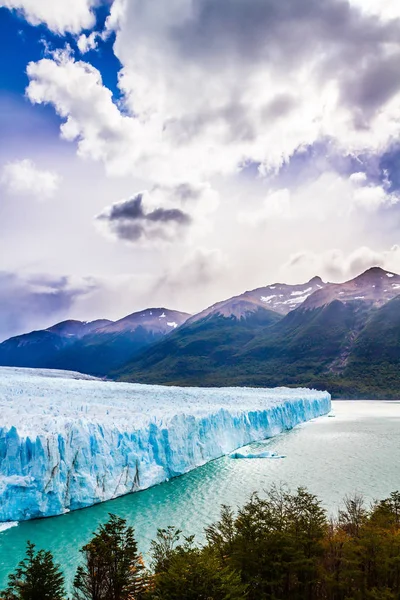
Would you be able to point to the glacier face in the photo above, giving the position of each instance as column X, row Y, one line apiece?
column 69, row 441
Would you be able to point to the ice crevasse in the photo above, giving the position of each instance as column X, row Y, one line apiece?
column 68, row 441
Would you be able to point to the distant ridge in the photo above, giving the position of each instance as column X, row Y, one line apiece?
column 344, row 337
column 321, row 343
column 278, row 297
column 96, row 347
column 375, row 286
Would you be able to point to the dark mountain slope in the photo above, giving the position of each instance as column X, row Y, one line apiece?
column 111, row 347
column 374, row 364
column 95, row 348
column 39, row 348
column 197, row 351
column 290, row 351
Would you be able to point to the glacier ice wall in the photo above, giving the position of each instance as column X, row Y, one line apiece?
column 67, row 441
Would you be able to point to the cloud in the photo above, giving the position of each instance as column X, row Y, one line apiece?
column 277, row 205
column 163, row 214
column 87, row 42
column 36, row 301
column 207, row 87
column 385, row 9
column 24, row 177
column 131, row 220
column 326, row 197
column 338, row 266
column 207, row 272
column 60, row 16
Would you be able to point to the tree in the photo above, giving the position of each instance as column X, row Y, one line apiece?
column 275, row 543
column 184, row 572
column 37, row 577
column 112, row 569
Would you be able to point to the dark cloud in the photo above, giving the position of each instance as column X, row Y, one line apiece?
column 34, row 302
column 280, row 31
column 333, row 37
column 187, row 192
column 280, row 107
column 129, row 220
column 375, row 83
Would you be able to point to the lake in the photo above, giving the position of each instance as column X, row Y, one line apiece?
column 356, row 450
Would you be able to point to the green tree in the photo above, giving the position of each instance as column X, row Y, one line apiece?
column 184, row 572
column 275, row 543
column 112, row 568
column 37, row 577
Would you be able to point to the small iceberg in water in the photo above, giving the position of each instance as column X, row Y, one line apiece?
column 255, row 454
column 7, row 525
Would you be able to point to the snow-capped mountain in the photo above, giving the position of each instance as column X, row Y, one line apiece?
column 375, row 287
column 77, row 329
column 315, row 334
column 341, row 337
column 277, row 297
column 96, row 348
column 155, row 320
column 282, row 297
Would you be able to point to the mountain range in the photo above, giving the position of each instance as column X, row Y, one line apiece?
column 341, row 337
column 96, row 347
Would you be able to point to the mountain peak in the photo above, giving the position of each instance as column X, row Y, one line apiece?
column 375, row 273
column 375, row 286
column 152, row 319
column 76, row 328
column 316, row 281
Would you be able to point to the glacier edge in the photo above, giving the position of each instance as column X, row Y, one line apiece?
column 68, row 443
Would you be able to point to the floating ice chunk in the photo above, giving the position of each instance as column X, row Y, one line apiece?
column 260, row 454
column 5, row 526
column 67, row 443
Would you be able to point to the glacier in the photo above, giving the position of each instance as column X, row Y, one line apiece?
column 68, row 441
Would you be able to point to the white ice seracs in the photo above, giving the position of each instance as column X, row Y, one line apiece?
column 69, row 441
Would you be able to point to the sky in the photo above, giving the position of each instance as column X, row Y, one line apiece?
column 177, row 153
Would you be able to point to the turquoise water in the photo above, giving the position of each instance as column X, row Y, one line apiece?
column 356, row 451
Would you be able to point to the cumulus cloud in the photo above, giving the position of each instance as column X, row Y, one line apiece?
column 24, row 177
column 336, row 265
column 208, row 86
column 87, row 42
column 325, row 198
column 60, row 16
column 36, row 301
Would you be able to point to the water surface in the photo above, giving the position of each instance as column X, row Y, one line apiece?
column 358, row 450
